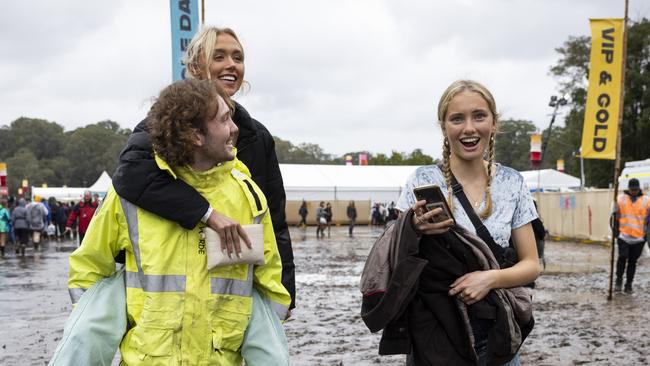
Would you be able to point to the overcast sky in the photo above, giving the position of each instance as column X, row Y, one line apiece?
column 347, row 75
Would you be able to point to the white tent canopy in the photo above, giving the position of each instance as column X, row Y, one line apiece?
column 344, row 182
column 102, row 184
column 550, row 180
column 381, row 183
column 67, row 194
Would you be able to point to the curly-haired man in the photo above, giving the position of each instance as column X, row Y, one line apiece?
column 178, row 311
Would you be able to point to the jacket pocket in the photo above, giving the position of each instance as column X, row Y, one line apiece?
column 153, row 346
column 161, row 313
column 228, row 329
column 154, row 340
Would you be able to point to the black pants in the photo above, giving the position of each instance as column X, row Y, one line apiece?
column 351, row 228
column 627, row 254
column 23, row 236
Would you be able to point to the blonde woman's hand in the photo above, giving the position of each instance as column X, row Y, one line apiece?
column 429, row 222
column 472, row 287
column 230, row 232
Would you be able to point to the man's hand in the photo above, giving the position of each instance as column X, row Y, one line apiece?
column 229, row 232
column 67, row 230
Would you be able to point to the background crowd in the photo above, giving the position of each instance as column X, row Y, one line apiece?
column 26, row 222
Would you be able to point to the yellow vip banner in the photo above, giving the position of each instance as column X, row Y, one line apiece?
column 604, row 93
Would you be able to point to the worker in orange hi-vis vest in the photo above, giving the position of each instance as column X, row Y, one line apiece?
column 632, row 218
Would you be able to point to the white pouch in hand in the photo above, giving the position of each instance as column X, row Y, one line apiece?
column 218, row 257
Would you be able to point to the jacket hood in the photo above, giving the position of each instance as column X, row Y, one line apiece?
column 22, row 202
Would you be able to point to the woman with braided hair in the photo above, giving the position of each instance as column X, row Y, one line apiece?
column 497, row 194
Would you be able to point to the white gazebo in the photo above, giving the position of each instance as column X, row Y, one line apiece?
column 550, row 180
column 377, row 183
column 67, row 194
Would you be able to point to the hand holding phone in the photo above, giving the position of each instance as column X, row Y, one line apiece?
column 434, row 198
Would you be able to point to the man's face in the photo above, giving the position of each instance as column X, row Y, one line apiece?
column 634, row 191
column 218, row 143
column 86, row 196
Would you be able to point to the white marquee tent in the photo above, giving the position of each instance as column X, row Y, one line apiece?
column 550, row 180
column 379, row 183
column 344, row 182
column 67, row 194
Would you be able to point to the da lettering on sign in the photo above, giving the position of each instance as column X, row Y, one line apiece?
column 184, row 23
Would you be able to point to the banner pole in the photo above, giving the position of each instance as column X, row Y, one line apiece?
column 617, row 163
column 202, row 12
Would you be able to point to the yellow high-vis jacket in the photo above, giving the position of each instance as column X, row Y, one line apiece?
column 178, row 312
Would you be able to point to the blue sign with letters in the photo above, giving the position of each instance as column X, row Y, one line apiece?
column 184, row 22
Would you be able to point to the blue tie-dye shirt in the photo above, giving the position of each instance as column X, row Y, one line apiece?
column 512, row 204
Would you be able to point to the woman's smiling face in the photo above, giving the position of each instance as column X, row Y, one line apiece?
column 468, row 125
column 227, row 64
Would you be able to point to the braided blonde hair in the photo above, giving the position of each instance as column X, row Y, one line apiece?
column 454, row 89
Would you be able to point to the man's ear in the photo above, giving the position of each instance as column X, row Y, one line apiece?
column 199, row 139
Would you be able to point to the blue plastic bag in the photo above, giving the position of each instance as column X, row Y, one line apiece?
column 95, row 328
column 264, row 341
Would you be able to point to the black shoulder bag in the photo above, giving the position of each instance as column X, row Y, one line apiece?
column 506, row 257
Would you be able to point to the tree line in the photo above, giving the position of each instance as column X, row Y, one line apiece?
column 42, row 152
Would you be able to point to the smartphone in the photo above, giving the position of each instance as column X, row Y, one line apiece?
column 434, row 197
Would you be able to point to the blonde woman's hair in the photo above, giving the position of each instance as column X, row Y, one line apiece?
column 453, row 90
column 200, row 50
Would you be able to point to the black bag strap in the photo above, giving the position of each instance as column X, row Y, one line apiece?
column 481, row 230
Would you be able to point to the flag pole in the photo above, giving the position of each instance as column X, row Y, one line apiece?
column 203, row 12
column 617, row 163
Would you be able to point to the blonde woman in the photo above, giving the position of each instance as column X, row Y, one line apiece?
column 469, row 120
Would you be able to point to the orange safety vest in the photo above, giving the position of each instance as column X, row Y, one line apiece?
column 632, row 215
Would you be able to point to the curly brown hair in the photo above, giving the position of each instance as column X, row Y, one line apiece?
column 179, row 112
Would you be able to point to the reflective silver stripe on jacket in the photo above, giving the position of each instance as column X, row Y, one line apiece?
column 75, row 294
column 231, row 286
column 156, row 283
column 628, row 216
column 632, row 226
column 147, row 282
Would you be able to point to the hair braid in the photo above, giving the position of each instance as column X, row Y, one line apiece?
column 488, row 196
column 446, row 170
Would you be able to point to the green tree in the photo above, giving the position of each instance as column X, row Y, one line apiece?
column 304, row 153
column 24, row 165
column 572, row 70
column 43, row 138
column 512, row 144
column 93, row 149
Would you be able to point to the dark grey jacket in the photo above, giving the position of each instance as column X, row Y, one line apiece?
column 19, row 217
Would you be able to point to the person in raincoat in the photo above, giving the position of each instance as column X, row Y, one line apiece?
column 20, row 223
column 178, row 311
column 5, row 221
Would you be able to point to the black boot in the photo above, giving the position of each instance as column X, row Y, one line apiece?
column 2, row 249
column 618, row 286
column 628, row 288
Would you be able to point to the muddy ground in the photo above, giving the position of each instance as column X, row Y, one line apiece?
column 575, row 323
